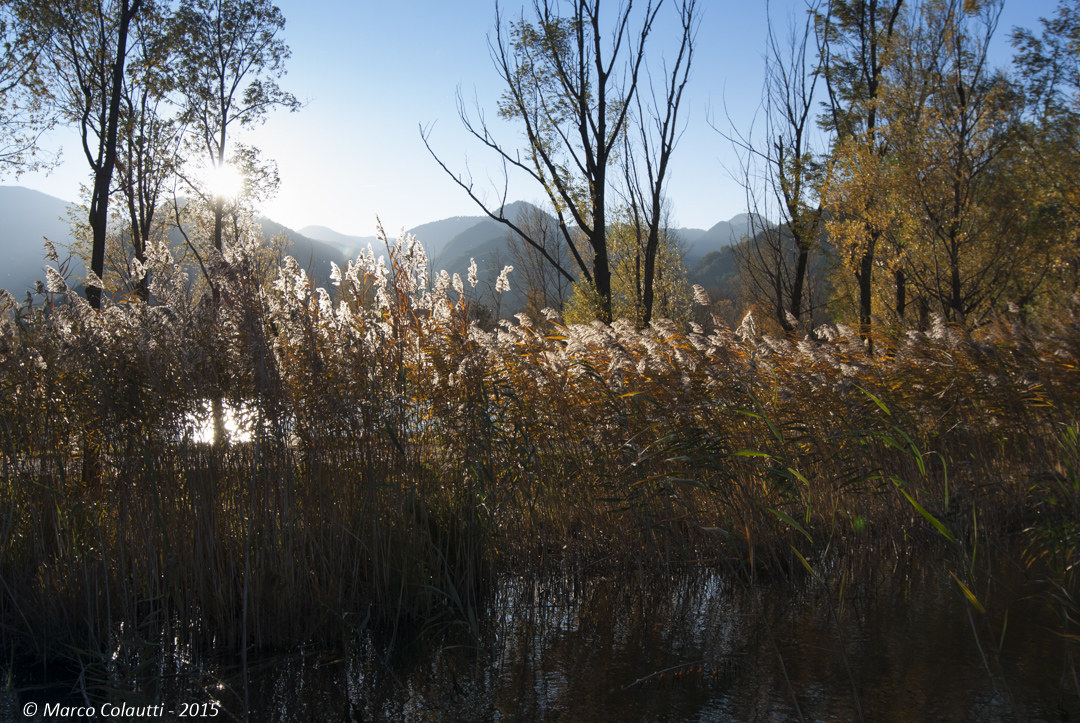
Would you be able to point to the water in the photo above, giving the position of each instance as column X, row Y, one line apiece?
column 694, row 646
column 239, row 422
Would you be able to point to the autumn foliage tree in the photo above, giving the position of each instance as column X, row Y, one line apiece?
column 857, row 40
column 231, row 56
column 958, row 256
column 1048, row 69
column 87, row 57
column 929, row 193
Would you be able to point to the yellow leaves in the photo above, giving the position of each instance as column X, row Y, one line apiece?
column 861, row 196
column 971, row 597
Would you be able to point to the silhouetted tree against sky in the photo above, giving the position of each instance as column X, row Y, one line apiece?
column 87, row 57
column 150, row 133
column 572, row 81
column 25, row 113
column 231, row 58
column 650, row 142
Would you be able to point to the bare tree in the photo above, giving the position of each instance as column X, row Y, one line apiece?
column 572, row 94
column 787, row 170
column 543, row 286
column 646, row 165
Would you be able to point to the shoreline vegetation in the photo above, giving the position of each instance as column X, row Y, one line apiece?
column 401, row 459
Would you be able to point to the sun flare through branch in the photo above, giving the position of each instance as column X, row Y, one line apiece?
column 225, row 182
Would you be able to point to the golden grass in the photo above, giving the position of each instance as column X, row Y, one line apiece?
column 401, row 456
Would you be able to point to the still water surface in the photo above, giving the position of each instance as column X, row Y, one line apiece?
column 694, row 646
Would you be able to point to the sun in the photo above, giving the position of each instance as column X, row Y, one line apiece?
column 225, row 181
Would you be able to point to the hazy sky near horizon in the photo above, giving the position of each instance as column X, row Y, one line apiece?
column 371, row 73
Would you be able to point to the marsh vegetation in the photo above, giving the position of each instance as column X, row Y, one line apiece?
column 405, row 468
column 227, row 480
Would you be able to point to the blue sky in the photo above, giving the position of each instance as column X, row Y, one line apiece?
column 372, row 71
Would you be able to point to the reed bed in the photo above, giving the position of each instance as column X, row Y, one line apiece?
column 395, row 456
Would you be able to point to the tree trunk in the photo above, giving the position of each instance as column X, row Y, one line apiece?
column 602, row 276
column 99, row 203
column 865, row 279
column 797, row 285
column 99, row 217
column 601, row 265
column 901, row 293
column 956, row 301
column 217, row 408
column 648, row 296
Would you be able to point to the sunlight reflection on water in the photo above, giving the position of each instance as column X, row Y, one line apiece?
column 693, row 645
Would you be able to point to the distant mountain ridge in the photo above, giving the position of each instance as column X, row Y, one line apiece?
column 436, row 236
column 721, row 236
column 312, row 254
column 32, row 216
column 29, row 218
column 450, row 243
column 350, row 245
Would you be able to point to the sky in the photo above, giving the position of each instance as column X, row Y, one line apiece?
column 371, row 73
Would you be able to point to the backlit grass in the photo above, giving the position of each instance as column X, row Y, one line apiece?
column 400, row 456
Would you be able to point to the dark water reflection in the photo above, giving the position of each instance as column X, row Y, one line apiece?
column 694, row 646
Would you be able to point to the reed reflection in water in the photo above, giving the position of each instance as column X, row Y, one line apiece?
column 690, row 646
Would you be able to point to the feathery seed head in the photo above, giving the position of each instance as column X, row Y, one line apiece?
column 701, row 297
column 502, row 283
column 56, row 284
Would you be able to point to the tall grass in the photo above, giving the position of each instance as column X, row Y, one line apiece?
column 400, row 456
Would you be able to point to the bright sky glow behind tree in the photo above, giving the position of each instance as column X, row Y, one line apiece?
column 371, row 72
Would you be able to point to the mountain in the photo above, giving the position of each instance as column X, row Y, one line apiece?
column 434, row 235
column 346, row 244
column 720, row 236
column 437, row 235
column 312, row 254
column 686, row 237
column 29, row 218
column 483, row 239
column 717, row 272
column 450, row 244
column 487, row 242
